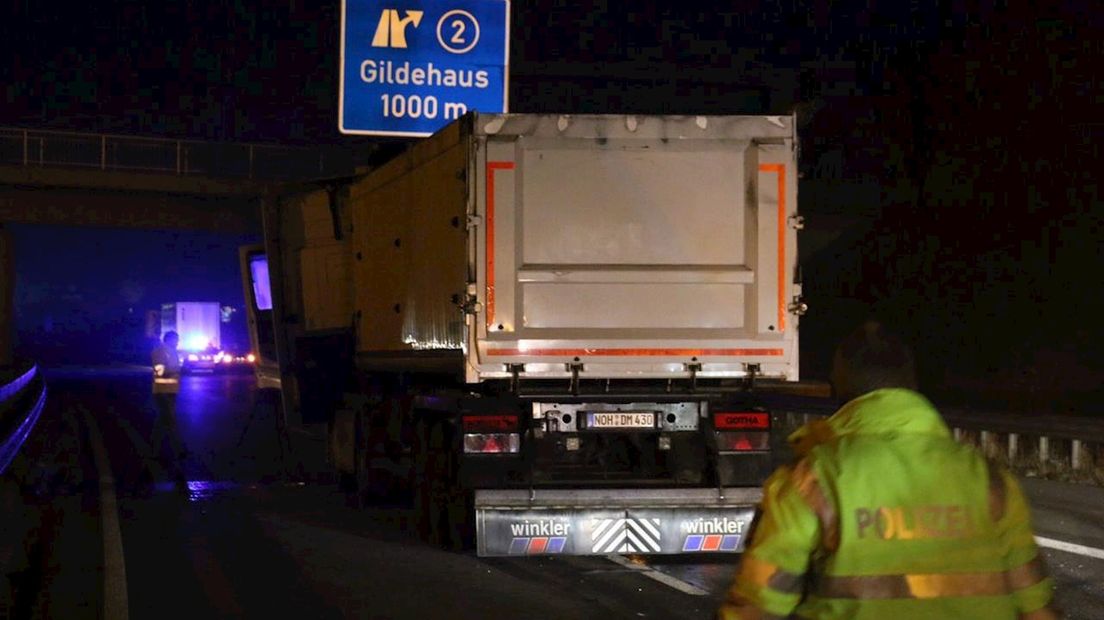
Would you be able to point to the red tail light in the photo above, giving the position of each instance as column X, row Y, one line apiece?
column 731, row 420
column 750, row 441
column 491, row 423
column 492, row 443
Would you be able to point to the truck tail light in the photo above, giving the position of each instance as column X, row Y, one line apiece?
column 489, row 423
column 492, row 443
column 743, row 441
column 491, row 434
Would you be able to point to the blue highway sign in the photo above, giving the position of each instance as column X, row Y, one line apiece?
column 410, row 67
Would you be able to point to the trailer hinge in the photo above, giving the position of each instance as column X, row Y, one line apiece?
column 469, row 304
column 798, row 306
column 693, row 369
column 575, row 368
column 515, row 374
column 797, row 222
column 749, row 380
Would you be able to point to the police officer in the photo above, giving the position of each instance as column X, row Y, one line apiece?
column 884, row 515
column 166, row 386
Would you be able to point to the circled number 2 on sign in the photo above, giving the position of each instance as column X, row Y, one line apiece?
column 417, row 106
column 458, row 31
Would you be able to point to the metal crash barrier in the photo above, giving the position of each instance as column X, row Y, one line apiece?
column 22, row 398
column 1064, row 447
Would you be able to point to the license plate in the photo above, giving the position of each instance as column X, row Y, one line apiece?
column 620, row 419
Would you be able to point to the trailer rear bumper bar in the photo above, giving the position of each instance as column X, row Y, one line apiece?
column 602, row 521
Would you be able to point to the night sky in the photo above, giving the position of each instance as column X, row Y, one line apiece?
column 82, row 294
column 950, row 154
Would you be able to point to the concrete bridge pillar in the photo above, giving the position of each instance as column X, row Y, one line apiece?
column 7, row 297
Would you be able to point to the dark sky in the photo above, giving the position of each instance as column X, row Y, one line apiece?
column 230, row 69
column 89, row 289
column 104, row 271
column 964, row 134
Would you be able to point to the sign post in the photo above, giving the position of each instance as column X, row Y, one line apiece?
column 410, row 67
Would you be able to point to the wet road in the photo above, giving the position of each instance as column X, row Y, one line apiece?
column 250, row 539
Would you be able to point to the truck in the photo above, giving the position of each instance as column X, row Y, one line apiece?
column 550, row 330
column 198, row 323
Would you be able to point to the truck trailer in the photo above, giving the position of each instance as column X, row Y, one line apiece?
column 198, row 323
column 551, row 329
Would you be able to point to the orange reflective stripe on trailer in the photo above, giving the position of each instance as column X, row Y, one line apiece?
column 780, row 170
column 516, row 352
column 492, row 168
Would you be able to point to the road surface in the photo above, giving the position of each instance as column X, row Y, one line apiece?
column 258, row 536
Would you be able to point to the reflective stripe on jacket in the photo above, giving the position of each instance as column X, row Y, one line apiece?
column 166, row 371
column 886, row 516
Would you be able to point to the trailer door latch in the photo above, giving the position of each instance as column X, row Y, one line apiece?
column 469, row 304
column 798, row 306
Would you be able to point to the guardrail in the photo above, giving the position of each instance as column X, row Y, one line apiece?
column 42, row 148
column 21, row 402
column 1050, row 446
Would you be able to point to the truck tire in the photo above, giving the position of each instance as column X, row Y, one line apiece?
column 444, row 511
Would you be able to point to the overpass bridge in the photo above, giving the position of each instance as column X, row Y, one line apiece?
column 86, row 179
column 81, row 179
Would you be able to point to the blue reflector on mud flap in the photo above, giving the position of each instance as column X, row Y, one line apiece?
column 518, row 546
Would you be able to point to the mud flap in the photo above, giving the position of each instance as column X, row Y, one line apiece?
column 510, row 523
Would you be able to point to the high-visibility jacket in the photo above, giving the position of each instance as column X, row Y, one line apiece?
column 166, row 370
column 886, row 516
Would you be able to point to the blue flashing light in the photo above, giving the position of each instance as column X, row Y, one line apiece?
column 196, row 342
column 262, row 291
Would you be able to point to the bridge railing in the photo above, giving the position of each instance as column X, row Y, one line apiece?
column 32, row 147
column 22, row 398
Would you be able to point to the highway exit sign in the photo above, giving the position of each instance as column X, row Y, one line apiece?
column 410, row 68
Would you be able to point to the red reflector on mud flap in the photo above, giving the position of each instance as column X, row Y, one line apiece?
column 489, row 422
column 727, row 420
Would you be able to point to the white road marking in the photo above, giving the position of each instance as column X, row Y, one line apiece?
column 1069, row 547
column 115, row 583
column 664, row 578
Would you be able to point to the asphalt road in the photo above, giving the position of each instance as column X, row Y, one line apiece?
column 250, row 539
